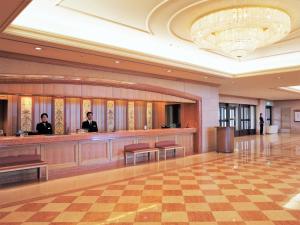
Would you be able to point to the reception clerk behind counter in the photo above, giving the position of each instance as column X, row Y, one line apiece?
column 45, row 127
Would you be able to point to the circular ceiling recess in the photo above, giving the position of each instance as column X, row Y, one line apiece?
column 237, row 32
column 234, row 28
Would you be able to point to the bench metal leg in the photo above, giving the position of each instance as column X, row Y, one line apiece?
column 148, row 156
column 39, row 173
column 134, row 158
column 46, row 172
column 157, row 155
column 165, row 154
column 125, row 158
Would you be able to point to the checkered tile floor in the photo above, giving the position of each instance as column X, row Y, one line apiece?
column 240, row 189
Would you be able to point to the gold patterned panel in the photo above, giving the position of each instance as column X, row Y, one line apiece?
column 59, row 116
column 26, row 113
column 110, row 109
column 130, row 115
column 149, row 115
column 86, row 107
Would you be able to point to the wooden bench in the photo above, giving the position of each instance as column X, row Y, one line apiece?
column 141, row 148
column 169, row 146
column 23, row 162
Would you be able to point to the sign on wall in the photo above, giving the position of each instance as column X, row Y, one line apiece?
column 149, row 115
column 131, row 115
column 59, row 116
column 110, row 115
column 86, row 107
column 26, row 114
column 297, row 115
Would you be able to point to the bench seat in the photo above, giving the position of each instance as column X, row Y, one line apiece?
column 169, row 146
column 23, row 162
column 140, row 148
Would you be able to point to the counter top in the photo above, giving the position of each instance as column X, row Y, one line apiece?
column 37, row 139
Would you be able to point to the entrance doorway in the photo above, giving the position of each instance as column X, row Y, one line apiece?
column 241, row 117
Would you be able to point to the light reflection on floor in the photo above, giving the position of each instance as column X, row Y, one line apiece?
column 257, row 185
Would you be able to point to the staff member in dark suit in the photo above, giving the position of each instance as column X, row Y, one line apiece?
column 261, row 124
column 89, row 124
column 44, row 127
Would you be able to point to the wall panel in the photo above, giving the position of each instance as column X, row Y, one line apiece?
column 121, row 115
column 72, row 114
column 42, row 104
column 99, row 111
column 140, row 114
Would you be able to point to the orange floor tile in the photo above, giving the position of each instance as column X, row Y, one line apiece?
column 259, row 184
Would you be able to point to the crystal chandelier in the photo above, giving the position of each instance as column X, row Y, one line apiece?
column 237, row 32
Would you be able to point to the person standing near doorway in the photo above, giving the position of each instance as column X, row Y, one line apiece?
column 261, row 124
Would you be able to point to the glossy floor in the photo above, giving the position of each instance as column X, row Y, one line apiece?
column 257, row 185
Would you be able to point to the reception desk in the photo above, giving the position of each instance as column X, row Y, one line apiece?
column 76, row 150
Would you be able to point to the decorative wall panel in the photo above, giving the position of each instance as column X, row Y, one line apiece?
column 59, row 116
column 149, row 115
column 110, row 112
column 130, row 115
column 86, row 107
column 26, row 114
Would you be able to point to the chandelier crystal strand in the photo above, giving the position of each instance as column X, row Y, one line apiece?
column 239, row 31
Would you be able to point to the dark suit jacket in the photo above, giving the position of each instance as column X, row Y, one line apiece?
column 91, row 128
column 44, row 128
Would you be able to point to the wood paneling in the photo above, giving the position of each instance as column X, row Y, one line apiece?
column 99, row 113
column 118, row 148
column 61, row 154
column 93, row 91
column 72, row 114
column 121, row 115
column 42, row 104
column 140, row 114
column 159, row 114
column 92, row 152
column 12, row 112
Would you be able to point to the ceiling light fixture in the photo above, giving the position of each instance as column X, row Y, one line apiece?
column 239, row 31
column 117, row 61
column 38, row 48
column 169, row 71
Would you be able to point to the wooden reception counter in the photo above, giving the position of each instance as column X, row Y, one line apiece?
column 75, row 150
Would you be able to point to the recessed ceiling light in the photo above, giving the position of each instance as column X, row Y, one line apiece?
column 38, row 48
column 117, row 61
column 278, row 77
column 169, row 71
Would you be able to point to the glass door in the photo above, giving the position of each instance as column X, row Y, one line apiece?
column 269, row 115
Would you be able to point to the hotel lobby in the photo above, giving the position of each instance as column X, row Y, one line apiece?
column 149, row 112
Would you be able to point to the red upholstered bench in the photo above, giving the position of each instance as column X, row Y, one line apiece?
column 23, row 162
column 169, row 146
column 140, row 148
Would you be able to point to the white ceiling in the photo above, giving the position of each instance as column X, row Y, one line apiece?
column 157, row 30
